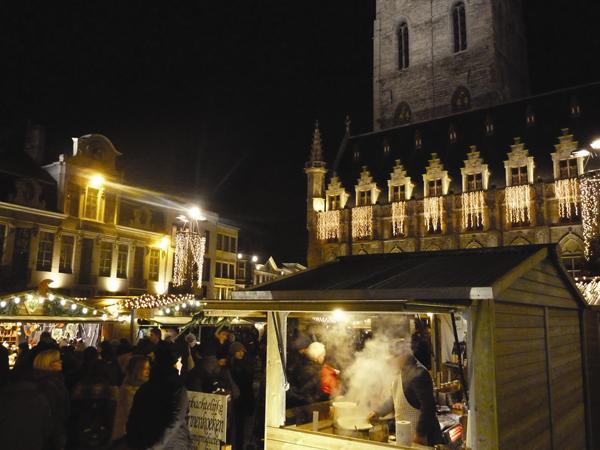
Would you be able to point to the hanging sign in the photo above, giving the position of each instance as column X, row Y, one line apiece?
column 207, row 420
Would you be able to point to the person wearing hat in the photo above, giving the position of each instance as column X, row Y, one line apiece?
column 412, row 395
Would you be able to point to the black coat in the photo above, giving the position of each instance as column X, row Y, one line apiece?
column 52, row 386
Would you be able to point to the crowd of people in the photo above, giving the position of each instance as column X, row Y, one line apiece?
column 118, row 396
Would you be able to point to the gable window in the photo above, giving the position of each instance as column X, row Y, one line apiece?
column 398, row 193
column 334, row 202
column 122, row 257
column 154, row 264
column 67, row 244
column 403, row 49
column 106, row 249
column 474, row 182
column 459, row 27
column 45, row 249
column 435, row 187
column 568, row 168
column 518, row 175
column 91, row 209
column 364, row 198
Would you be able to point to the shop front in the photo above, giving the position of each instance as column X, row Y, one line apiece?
column 497, row 330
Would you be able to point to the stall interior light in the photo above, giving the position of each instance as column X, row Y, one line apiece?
column 16, row 300
column 595, row 144
column 2, row 304
column 339, row 315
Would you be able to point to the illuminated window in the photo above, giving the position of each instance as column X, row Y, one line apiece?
column 398, row 193
column 67, row 244
column 418, row 140
column 474, row 182
column 241, row 269
column 364, row 198
column 106, row 249
column 45, row 249
column 92, row 204
column 568, row 168
column 403, row 48
column 435, row 187
column 452, row 135
column 518, row 175
column 530, row 117
column 122, row 259
column 459, row 27
column 154, row 264
column 334, row 202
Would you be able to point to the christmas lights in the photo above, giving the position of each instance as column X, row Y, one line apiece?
column 433, row 213
column 590, row 210
column 362, row 222
column 34, row 305
column 518, row 200
column 473, row 209
column 158, row 301
column 189, row 250
column 590, row 289
column 328, row 225
column 567, row 193
column 398, row 218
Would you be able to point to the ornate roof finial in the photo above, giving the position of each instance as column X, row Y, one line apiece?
column 348, row 123
column 316, row 149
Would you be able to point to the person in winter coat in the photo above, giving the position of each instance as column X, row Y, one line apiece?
column 93, row 405
column 19, row 400
column 47, row 375
column 242, row 372
column 158, row 416
column 137, row 373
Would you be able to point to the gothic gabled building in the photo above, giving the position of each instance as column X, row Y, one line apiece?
column 460, row 157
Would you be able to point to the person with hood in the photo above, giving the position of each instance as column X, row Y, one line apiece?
column 158, row 416
column 137, row 373
column 47, row 375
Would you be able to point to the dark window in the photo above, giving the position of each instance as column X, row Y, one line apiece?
column 403, row 48
column 474, row 182
column 138, row 267
column 398, row 193
column 241, row 270
column 106, row 249
column 459, row 27
column 67, row 244
column 461, row 99
column 334, row 202
column 435, row 187
column 219, row 242
column 219, row 270
column 45, row 248
column 568, row 168
column 207, row 241
column 364, row 198
column 233, row 245
column 2, row 240
column 402, row 116
column 154, row 264
column 122, row 258
column 85, row 264
column 518, row 175
column 206, row 270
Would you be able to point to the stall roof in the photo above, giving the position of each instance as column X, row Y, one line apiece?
column 452, row 277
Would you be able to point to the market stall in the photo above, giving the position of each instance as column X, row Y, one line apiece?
column 518, row 377
column 25, row 315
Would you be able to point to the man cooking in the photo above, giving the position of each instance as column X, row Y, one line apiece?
column 412, row 396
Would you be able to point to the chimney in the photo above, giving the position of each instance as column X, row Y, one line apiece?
column 35, row 142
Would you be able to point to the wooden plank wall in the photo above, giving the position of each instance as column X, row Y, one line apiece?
column 524, row 420
column 566, row 379
column 592, row 349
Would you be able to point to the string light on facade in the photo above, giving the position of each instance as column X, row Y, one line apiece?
column 159, row 301
column 433, row 212
column 473, row 209
column 398, row 218
column 328, row 225
column 518, row 200
column 362, row 222
column 189, row 249
column 567, row 193
column 590, row 210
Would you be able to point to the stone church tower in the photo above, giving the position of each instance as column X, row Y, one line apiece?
column 435, row 57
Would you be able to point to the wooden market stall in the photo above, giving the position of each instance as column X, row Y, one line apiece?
column 526, row 378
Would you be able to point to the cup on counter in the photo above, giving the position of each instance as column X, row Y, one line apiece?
column 403, row 432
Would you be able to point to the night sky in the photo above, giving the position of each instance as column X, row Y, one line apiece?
column 218, row 99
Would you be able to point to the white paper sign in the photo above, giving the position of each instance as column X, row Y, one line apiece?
column 207, row 420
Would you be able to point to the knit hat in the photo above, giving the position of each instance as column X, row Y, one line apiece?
column 236, row 347
column 315, row 351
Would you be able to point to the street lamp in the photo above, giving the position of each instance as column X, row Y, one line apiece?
column 96, row 181
column 195, row 213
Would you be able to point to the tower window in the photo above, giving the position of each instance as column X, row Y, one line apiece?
column 489, row 126
column 452, row 134
column 529, row 117
column 403, row 60
column 575, row 107
column 459, row 27
column 403, row 114
column 461, row 99
column 418, row 140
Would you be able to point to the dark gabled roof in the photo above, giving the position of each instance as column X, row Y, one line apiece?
column 471, row 268
column 552, row 114
column 19, row 164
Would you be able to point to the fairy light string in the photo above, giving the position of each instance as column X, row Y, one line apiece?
column 433, row 213
column 398, row 218
column 567, row 194
column 473, row 207
column 362, row 222
column 518, row 200
column 328, row 225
